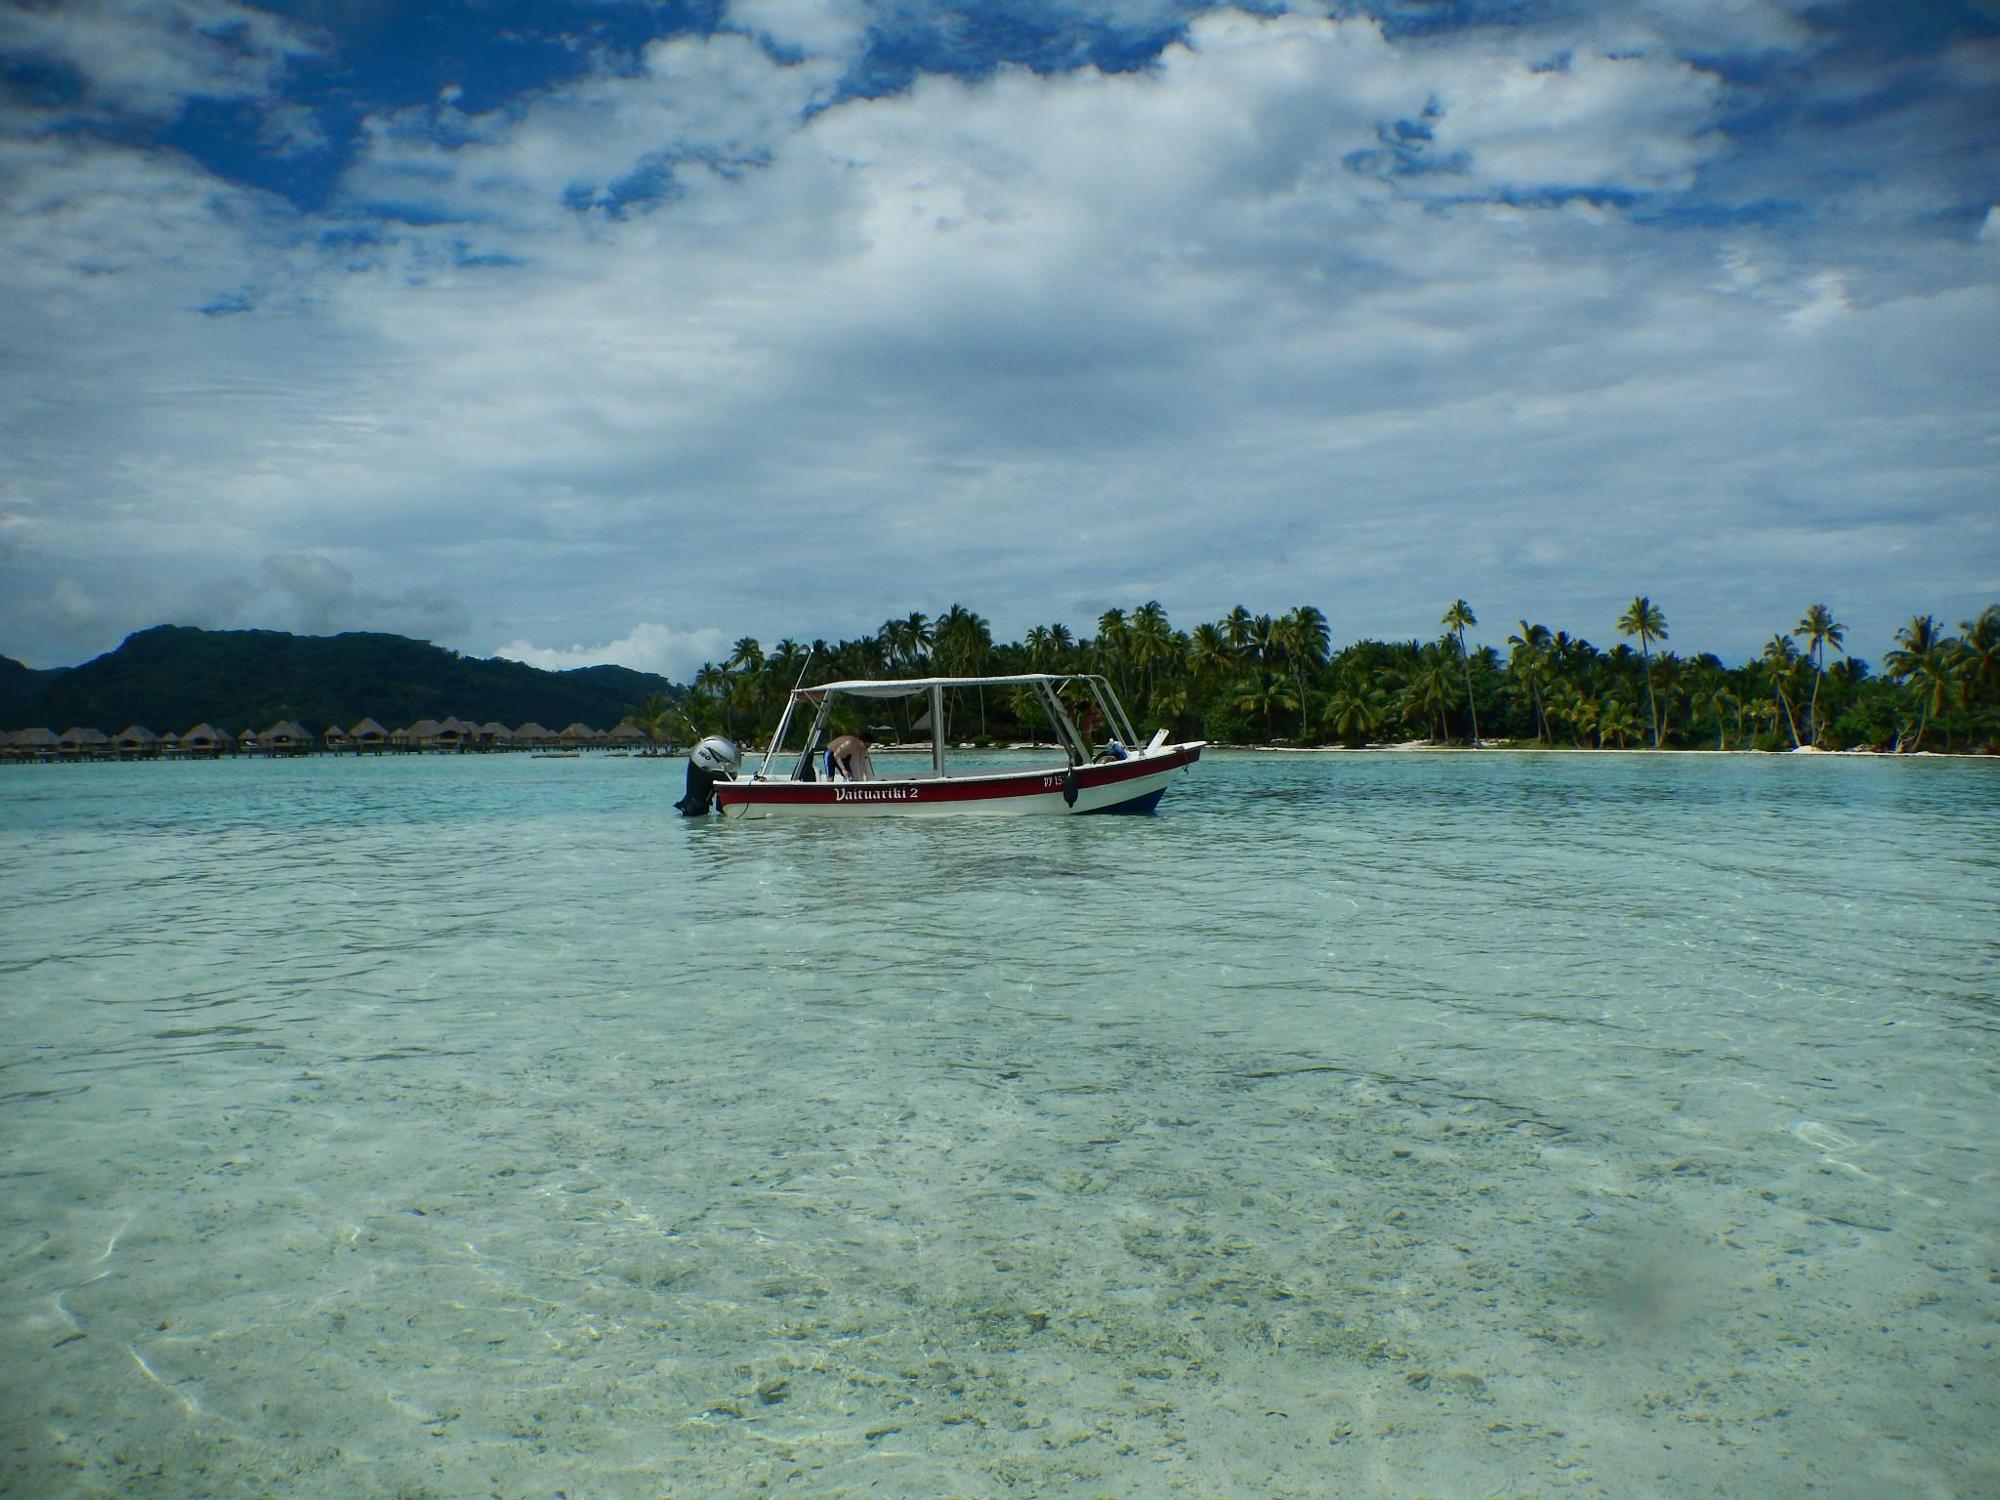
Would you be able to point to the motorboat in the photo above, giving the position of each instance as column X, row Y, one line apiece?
column 798, row 777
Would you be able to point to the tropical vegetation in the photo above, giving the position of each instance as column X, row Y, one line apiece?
column 1260, row 678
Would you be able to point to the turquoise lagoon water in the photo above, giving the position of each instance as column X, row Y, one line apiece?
column 1375, row 1124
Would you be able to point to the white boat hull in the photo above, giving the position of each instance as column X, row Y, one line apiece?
column 1133, row 785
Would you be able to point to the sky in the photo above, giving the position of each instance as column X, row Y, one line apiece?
column 615, row 331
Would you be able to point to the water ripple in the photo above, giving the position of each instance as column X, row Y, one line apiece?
column 1376, row 1123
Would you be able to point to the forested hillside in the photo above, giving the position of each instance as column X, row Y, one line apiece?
column 173, row 676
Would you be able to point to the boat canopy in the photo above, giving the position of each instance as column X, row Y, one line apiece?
column 1045, row 687
column 910, row 687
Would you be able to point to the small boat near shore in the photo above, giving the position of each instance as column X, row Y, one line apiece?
column 798, row 778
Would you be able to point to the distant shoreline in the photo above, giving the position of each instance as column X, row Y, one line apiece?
column 1419, row 747
column 621, row 752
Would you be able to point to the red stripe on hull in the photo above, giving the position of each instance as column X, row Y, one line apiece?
column 887, row 795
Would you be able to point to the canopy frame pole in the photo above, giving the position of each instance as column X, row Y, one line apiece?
column 937, row 730
column 1066, row 732
column 777, row 740
column 813, row 737
column 1114, row 711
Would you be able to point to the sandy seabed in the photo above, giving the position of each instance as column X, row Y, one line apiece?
column 1351, row 1130
column 1269, row 1278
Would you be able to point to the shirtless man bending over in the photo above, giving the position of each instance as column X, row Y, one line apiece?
column 847, row 758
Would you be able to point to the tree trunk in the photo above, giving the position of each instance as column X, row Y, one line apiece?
column 1652, row 708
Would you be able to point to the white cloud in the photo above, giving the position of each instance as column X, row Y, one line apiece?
column 648, row 647
column 833, row 28
column 1725, row 26
column 1633, row 123
column 691, row 103
column 148, row 57
column 1031, row 343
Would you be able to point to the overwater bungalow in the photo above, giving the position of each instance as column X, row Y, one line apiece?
column 206, row 741
column 453, row 733
column 83, row 743
column 580, row 736
column 285, row 737
column 136, row 742
column 496, row 736
column 367, row 735
column 32, row 744
column 626, row 735
column 532, row 736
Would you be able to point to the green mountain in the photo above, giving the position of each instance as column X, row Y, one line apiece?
column 173, row 677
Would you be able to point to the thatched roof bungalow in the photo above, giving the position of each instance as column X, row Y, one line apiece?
column 136, row 742
column 31, row 744
column 534, row 736
column 285, row 738
column 207, row 740
column 625, row 734
column 453, row 733
column 83, row 741
column 367, row 735
column 496, row 736
column 580, row 736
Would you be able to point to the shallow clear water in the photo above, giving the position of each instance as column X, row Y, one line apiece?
column 1369, row 1124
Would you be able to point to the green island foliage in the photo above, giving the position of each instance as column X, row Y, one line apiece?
column 1243, row 679
column 173, row 677
column 1263, row 679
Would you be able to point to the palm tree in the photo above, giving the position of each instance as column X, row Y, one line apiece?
column 1979, row 655
column 1263, row 692
column 1152, row 640
column 650, row 714
column 1818, row 629
column 907, row 641
column 1710, row 695
column 711, row 683
column 1529, row 663
column 785, row 664
column 1668, row 678
column 963, row 645
column 1566, row 706
column 1263, row 639
column 1643, row 619
column 1114, row 647
column 1615, row 721
column 1355, row 712
column 1303, row 637
column 1429, row 691
column 1924, row 657
column 962, row 642
column 1209, row 656
column 1237, row 627
column 1174, row 701
column 1455, row 620
column 1781, row 661
column 1584, row 713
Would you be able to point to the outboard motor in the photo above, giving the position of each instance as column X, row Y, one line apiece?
column 714, row 759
